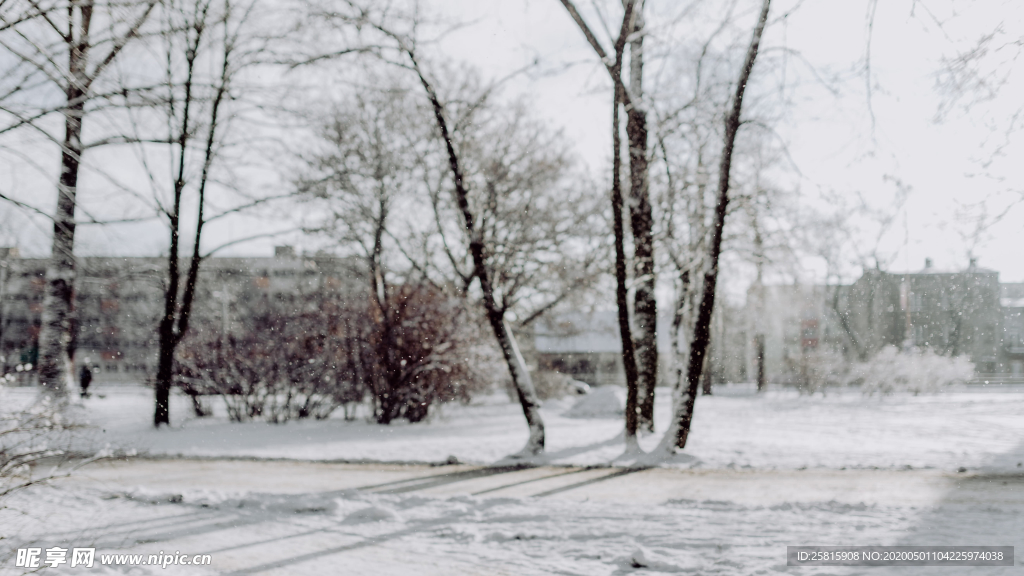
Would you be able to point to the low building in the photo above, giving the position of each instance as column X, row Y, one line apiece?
column 954, row 313
column 1012, row 302
column 588, row 347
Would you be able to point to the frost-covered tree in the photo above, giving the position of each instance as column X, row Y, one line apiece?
column 679, row 427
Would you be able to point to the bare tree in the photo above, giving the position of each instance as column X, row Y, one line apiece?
column 365, row 177
column 529, row 242
column 199, row 35
column 64, row 47
column 511, row 239
column 679, row 428
column 639, row 388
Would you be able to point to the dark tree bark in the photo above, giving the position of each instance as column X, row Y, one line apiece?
column 621, row 295
column 623, row 97
column 176, row 318
column 680, row 427
column 645, row 309
column 759, row 353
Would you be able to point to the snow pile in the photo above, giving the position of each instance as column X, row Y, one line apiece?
column 603, row 402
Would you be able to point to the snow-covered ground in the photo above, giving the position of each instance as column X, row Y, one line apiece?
column 763, row 472
column 974, row 429
column 281, row 517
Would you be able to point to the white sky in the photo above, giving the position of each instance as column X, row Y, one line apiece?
column 831, row 139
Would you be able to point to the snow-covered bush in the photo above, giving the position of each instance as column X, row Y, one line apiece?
column 887, row 372
column 917, row 371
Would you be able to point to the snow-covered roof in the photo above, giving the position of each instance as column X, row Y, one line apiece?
column 1011, row 302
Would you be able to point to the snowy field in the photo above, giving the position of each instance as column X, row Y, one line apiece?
column 977, row 429
column 761, row 473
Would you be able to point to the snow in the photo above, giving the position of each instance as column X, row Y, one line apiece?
column 976, row 428
column 604, row 402
column 658, row 521
column 761, row 472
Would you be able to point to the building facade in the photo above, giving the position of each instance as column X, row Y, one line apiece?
column 119, row 302
column 953, row 313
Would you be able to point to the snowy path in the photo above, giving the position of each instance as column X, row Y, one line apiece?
column 283, row 517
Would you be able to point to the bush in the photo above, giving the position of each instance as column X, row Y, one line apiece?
column 887, row 372
column 31, row 435
column 427, row 350
column 282, row 363
column 917, row 371
column 338, row 350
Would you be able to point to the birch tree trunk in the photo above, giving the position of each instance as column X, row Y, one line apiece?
column 679, row 429
column 55, row 369
column 56, row 338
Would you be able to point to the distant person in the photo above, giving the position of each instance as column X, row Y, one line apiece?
column 85, row 379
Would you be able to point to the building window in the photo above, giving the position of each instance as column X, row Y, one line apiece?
column 916, row 302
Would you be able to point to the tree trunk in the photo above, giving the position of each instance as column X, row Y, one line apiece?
column 678, row 319
column 478, row 251
column 759, row 301
column 55, row 370
column 171, row 335
column 759, row 352
column 621, row 295
column 165, row 365
column 645, row 310
column 680, row 427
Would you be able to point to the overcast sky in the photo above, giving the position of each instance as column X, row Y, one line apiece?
column 843, row 144
column 834, row 143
